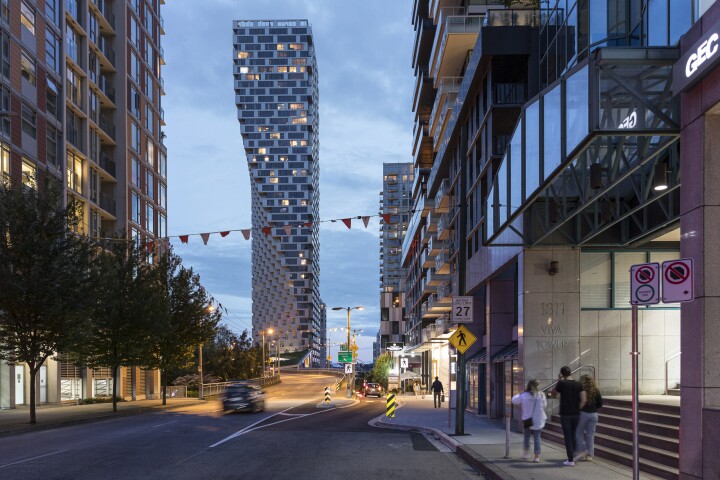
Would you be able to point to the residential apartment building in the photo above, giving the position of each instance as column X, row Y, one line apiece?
column 81, row 101
column 276, row 93
column 553, row 140
column 395, row 202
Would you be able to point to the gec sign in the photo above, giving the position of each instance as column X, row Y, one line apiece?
column 697, row 60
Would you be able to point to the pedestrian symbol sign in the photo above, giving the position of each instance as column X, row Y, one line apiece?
column 645, row 284
column 462, row 339
column 348, row 368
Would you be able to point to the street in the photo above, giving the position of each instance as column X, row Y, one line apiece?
column 291, row 439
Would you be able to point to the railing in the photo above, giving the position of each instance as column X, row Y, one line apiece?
column 176, row 391
column 107, row 163
column 442, row 193
column 666, row 370
column 512, row 18
column 509, row 93
column 552, row 385
column 107, row 203
column 107, row 126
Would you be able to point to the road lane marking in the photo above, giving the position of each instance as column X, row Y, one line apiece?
column 161, row 424
column 35, row 458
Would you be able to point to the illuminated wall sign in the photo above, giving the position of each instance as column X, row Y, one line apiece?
column 630, row 121
column 698, row 60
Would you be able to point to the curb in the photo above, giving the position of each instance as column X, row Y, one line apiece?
column 80, row 421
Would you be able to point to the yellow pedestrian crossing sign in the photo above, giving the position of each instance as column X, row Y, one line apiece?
column 462, row 339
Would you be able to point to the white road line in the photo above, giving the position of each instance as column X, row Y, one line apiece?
column 161, row 424
column 35, row 458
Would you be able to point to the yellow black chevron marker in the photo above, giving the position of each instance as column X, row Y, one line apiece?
column 390, row 409
column 327, row 394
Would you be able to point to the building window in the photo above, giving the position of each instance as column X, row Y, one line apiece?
column 27, row 68
column 29, row 173
column 135, row 67
column 150, row 153
column 149, row 218
column 52, row 51
column 135, row 207
column 51, row 11
column 162, row 225
column 29, row 118
column 162, row 195
column 5, row 106
column 5, row 55
column 149, row 54
column 134, row 102
column 595, row 280
column 51, row 99
column 243, row 55
column 136, row 177
column 74, row 91
column 150, row 184
column 52, row 156
column 134, row 33
column 149, row 119
column 5, row 11
column 27, row 17
column 163, row 165
column 74, row 172
column 72, row 43
column 135, row 136
column 4, row 164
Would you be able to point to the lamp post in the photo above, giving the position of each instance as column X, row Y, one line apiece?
column 269, row 332
column 351, row 381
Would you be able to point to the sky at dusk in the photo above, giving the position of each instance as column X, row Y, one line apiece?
column 366, row 83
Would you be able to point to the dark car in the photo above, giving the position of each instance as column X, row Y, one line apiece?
column 373, row 389
column 244, row 398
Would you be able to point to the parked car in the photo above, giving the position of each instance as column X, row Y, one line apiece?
column 373, row 389
column 244, row 397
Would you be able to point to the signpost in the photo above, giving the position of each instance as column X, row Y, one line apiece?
column 344, row 357
column 677, row 281
column 462, row 309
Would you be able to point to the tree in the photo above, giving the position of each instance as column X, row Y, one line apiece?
column 44, row 275
column 228, row 355
column 381, row 369
column 117, row 332
column 184, row 317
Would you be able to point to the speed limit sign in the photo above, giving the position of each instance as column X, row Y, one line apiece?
column 462, row 309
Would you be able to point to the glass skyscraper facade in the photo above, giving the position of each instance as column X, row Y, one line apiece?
column 276, row 93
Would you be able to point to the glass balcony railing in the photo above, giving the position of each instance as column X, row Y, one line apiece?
column 107, row 163
column 107, row 203
column 107, row 126
column 509, row 93
column 512, row 18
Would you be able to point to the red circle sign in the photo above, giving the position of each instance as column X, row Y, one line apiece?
column 677, row 272
column 644, row 274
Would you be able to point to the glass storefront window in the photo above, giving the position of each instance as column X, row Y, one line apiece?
column 552, row 134
column 595, row 280
column 576, row 109
column 532, row 148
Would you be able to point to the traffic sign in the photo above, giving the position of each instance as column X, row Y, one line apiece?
column 348, row 368
column 677, row 280
column 344, row 357
column 462, row 309
column 462, row 339
column 403, row 363
column 645, row 284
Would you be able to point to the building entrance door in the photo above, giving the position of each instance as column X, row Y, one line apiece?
column 43, row 384
column 19, row 384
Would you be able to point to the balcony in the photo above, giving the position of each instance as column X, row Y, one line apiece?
column 435, row 245
column 424, row 91
column 426, row 260
column 509, row 93
column 447, row 91
column 456, row 34
column 424, row 35
column 107, row 50
column 107, row 126
column 106, row 88
column 442, row 261
column 443, row 228
column 442, row 197
column 74, row 136
column 434, row 278
column 107, row 163
column 512, row 18
column 444, row 292
column 107, row 203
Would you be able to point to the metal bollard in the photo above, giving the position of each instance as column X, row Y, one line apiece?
column 390, row 407
column 327, row 394
column 507, row 436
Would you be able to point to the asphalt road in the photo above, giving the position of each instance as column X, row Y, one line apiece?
column 292, row 439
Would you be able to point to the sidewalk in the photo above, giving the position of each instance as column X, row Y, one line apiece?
column 483, row 446
column 50, row 416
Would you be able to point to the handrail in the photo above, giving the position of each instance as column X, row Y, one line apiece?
column 666, row 370
column 576, row 370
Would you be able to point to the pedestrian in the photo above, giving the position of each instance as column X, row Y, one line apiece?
column 533, row 414
column 569, row 391
column 423, row 391
column 438, row 390
column 416, row 388
column 590, row 401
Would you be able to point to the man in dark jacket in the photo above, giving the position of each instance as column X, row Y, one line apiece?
column 437, row 389
column 569, row 391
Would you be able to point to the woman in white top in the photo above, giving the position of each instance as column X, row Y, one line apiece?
column 533, row 407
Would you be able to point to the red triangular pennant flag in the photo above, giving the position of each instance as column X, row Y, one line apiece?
column 266, row 230
column 365, row 221
column 347, row 222
column 224, row 234
column 386, row 217
column 184, row 238
column 246, row 233
column 205, row 237
column 288, row 229
column 149, row 246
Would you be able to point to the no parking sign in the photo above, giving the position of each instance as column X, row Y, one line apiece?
column 645, row 284
column 677, row 280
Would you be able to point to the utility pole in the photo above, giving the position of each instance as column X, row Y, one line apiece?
column 462, row 262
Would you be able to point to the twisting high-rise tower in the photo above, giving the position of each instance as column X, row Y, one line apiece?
column 276, row 92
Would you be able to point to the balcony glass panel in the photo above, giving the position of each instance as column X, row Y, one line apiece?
column 515, row 169
column 532, row 148
column 502, row 186
column 576, row 109
column 553, row 127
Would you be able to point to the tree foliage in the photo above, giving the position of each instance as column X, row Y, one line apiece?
column 44, row 275
column 381, row 369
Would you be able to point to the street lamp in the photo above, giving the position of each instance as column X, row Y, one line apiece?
column 269, row 332
column 352, row 377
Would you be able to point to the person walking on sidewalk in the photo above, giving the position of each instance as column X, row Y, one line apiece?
column 416, row 389
column 533, row 405
column 590, row 401
column 569, row 391
column 438, row 390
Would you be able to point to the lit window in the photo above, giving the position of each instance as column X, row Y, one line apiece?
column 4, row 164
column 296, row 46
column 303, row 262
column 282, row 69
column 29, row 173
column 74, row 172
column 244, row 69
column 285, row 203
column 297, row 106
column 273, row 180
column 275, row 136
column 294, row 172
column 281, row 106
column 280, row 46
column 292, row 69
column 293, row 143
column 303, row 203
column 283, row 159
column 299, row 121
column 252, row 76
column 262, row 151
column 243, row 54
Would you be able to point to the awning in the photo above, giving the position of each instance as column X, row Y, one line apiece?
column 508, row 352
column 478, row 357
